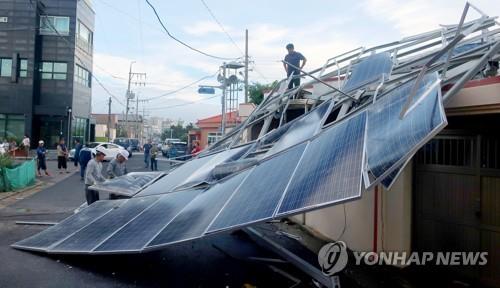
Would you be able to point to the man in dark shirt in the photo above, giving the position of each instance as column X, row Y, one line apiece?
column 293, row 57
column 147, row 148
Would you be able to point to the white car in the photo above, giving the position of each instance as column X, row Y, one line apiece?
column 110, row 149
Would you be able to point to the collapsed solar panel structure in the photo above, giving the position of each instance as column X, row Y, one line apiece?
column 386, row 103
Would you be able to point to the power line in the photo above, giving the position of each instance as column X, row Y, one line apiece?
column 182, row 42
column 184, row 104
column 182, row 88
column 221, row 26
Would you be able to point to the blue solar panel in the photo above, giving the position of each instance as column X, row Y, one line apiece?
column 86, row 239
column 302, row 129
column 136, row 234
column 195, row 218
column 330, row 170
column 369, row 70
column 47, row 238
column 167, row 183
column 259, row 195
column 391, row 140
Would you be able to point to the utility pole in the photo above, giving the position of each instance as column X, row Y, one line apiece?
column 130, row 95
column 246, row 65
column 109, row 120
column 223, row 121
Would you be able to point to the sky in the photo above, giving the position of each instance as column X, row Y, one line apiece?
column 127, row 30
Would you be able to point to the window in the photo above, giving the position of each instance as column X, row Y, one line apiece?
column 84, row 37
column 11, row 127
column 54, row 70
column 213, row 137
column 54, row 25
column 82, row 76
column 5, row 67
column 23, row 68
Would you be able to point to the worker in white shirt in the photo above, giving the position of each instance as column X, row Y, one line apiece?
column 93, row 175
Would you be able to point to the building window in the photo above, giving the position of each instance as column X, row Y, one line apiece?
column 54, row 70
column 11, row 127
column 23, row 68
column 54, row 25
column 214, row 137
column 82, row 76
column 85, row 37
column 5, row 67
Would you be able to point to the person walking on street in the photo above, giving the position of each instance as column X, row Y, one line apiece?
column 26, row 145
column 62, row 156
column 41, row 153
column 93, row 175
column 154, row 162
column 147, row 148
column 78, row 148
column 293, row 57
column 84, row 157
column 118, row 166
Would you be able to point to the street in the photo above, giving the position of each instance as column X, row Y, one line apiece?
column 209, row 262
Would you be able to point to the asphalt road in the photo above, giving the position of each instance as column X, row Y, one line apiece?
column 217, row 261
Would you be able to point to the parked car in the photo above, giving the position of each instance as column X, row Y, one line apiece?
column 166, row 145
column 134, row 144
column 176, row 150
column 110, row 149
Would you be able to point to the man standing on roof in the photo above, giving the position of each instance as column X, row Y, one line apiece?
column 293, row 57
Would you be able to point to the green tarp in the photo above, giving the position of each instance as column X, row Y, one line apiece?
column 19, row 177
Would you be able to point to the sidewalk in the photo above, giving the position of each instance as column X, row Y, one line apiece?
column 8, row 198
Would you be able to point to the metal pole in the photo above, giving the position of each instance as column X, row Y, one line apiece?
column 246, row 66
column 128, row 97
column 136, row 116
column 109, row 120
column 223, row 121
column 69, row 128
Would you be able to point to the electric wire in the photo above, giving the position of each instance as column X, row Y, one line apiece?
column 180, row 41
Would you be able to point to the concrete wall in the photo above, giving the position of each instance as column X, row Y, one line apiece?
column 394, row 219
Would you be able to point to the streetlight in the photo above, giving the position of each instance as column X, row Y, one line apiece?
column 69, row 126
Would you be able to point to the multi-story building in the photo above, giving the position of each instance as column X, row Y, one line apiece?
column 45, row 69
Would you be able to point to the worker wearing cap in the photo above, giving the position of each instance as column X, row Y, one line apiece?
column 93, row 175
column 41, row 153
column 293, row 57
column 118, row 166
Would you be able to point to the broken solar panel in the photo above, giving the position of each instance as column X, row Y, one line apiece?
column 330, row 170
column 127, row 185
column 194, row 219
column 142, row 229
column 91, row 236
column 369, row 70
column 391, row 140
column 302, row 129
column 53, row 235
column 258, row 196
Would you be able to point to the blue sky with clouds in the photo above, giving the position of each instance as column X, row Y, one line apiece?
column 127, row 30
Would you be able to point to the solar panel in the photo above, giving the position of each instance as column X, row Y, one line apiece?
column 52, row 235
column 126, row 185
column 368, row 71
column 330, row 170
column 391, row 140
column 302, row 129
column 136, row 234
column 91, row 236
column 175, row 177
column 204, row 172
column 194, row 219
column 259, row 195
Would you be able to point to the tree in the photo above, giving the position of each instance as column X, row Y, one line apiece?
column 257, row 90
column 178, row 131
